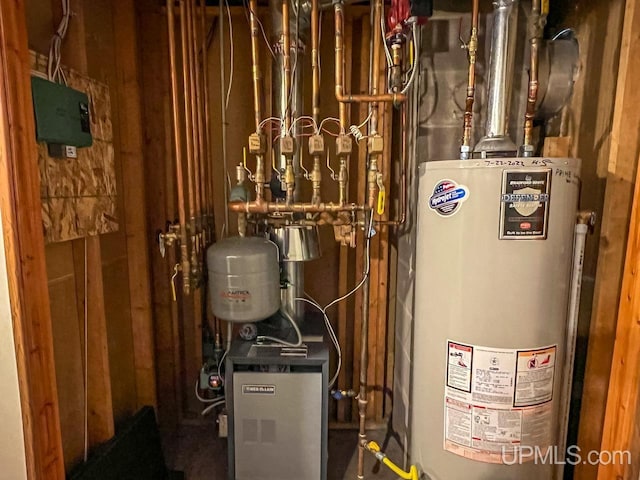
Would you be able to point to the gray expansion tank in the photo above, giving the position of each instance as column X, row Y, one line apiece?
column 244, row 279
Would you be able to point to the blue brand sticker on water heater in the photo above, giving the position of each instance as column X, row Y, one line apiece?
column 447, row 197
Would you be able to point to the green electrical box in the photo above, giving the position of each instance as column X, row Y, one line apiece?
column 62, row 114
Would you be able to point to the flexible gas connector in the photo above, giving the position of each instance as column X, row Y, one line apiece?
column 374, row 448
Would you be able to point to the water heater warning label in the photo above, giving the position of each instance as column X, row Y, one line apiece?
column 497, row 400
column 524, row 207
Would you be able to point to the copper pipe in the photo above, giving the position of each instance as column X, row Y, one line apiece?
column 286, row 64
column 207, row 120
column 223, row 112
column 316, row 180
column 472, row 48
column 255, row 63
column 535, row 35
column 277, row 207
column 177, row 139
column 187, row 107
column 364, row 357
column 200, row 122
column 404, row 160
column 193, row 110
column 260, row 175
column 315, row 52
column 341, row 95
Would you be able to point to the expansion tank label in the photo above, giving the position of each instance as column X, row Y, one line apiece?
column 447, row 197
column 497, row 400
column 524, row 210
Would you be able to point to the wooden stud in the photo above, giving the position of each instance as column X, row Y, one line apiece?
column 625, row 141
column 133, row 189
column 24, row 247
column 621, row 419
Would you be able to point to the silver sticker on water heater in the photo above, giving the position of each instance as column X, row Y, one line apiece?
column 524, row 204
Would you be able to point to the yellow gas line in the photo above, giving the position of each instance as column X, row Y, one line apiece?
column 412, row 474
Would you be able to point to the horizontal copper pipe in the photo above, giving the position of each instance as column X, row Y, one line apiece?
column 273, row 207
column 341, row 95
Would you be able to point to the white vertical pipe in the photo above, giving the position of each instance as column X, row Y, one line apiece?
column 572, row 334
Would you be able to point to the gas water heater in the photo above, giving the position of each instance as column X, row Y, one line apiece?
column 493, row 273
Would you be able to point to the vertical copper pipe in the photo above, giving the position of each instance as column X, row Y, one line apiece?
column 535, row 34
column 223, row 114
column 465, row 151
column 184, row 34
column 340, row 62
column 202, row 185
column 187, row 107
column 193, row 111
column 177, row 139
column 315, row 52
column 375, row 78
column 255, row 60
column 260, row 175
column 341, row 95
column 404, row 160
column 207, row 120
column 286, row 56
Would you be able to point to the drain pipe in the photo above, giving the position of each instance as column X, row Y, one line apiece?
column 586, row 221
column 497, row 142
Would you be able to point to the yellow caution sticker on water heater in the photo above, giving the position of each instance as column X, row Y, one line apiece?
column 498, row 403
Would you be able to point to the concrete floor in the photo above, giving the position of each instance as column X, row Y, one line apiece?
column 201, row 455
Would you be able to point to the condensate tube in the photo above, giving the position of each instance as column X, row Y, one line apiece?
column 175, row 107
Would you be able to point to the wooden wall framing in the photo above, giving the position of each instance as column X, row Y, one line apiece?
column 24, row 245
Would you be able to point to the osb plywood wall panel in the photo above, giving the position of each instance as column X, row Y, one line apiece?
column 79, row 194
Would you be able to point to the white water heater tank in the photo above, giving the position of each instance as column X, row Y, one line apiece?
column 493, row 271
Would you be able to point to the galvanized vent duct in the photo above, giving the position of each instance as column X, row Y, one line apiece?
column 496, row 141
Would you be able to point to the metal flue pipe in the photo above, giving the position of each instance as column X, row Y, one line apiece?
column 501, row 66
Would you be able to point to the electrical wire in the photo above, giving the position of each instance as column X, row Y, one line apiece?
column 415, row 61
column 367, row 268
column 304, row 117
column 54, row 70
column 264, row 35
column 86, row 357
column 356, row 129
column 231, row 52
column 330, row 329
column 212, row 406
column 284, row 342
column 384, row 42
column 328, row 119
column 332, row 335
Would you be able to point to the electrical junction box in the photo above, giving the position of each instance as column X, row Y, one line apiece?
column 62, row 114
